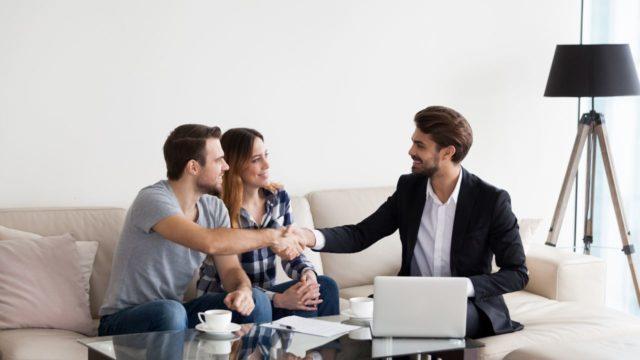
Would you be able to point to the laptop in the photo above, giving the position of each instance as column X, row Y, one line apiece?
column 427, row 307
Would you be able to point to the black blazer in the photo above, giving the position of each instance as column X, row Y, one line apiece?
column 484, row 225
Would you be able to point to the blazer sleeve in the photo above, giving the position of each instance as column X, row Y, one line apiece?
column 505, row 242
column 353, row 238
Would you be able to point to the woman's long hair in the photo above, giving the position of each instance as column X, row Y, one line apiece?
column 237, row 145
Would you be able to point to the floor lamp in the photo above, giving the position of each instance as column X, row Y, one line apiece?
column 592, row 71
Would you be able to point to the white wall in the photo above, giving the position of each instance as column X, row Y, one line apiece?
column 89, row 90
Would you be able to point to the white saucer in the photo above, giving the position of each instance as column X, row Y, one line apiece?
column 231, row 328
column 347, row 312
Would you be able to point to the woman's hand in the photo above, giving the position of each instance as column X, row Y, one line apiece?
column 303, row 295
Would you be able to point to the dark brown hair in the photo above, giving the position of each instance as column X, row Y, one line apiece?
column 187, row 142
column 446, row 127
column 237, row 145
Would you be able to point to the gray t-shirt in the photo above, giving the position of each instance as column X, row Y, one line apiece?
column 148, row 267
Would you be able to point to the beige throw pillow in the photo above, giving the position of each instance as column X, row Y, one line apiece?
column 86, row 250
column 41, row 285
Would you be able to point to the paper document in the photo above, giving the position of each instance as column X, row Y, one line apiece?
column 311, row 326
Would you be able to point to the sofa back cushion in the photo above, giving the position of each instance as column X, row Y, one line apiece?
column 340, row 207
column 84, row 224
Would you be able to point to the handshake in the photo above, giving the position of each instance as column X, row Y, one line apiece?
column 288, row 242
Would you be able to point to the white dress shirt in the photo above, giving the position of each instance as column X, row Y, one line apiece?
column 432, row 253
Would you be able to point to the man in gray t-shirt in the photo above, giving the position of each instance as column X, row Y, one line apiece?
column 169, row 229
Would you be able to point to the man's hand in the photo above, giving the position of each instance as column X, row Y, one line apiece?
column 287, row 244
column 240, row 300
column 301, row 296
column 308, row 238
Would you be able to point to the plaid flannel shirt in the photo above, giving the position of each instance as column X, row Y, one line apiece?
column 260, row 341
column 259, row 264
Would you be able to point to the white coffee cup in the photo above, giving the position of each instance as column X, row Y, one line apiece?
column 215, row 319
column 361, row 306
column 213, row 347
column 360, row 334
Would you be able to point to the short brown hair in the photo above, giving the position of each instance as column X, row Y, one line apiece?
column 187, row 142
column 446, row 127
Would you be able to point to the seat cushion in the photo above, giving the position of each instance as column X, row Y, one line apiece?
column 523, row 301
column 550, row 321
column 46, row 344
column 546, row 322
column 613, row 348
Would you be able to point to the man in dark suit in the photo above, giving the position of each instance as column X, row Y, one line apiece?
column 451, row 223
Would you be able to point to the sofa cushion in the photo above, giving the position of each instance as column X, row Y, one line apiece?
column 340, row 207
column 612, row 348
column 545, row 320
column 45, row 344
column 523, row 301
column 550, row 321
column 566, row 276
column 86, row 252
column 41, row 285
column 85, row 224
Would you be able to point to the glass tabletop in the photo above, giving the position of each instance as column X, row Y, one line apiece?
column 256, row 342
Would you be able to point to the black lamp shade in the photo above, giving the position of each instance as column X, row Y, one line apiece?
column 592, row 71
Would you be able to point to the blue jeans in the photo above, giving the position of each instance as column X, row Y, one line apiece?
column 330, row 304
column 163, row 315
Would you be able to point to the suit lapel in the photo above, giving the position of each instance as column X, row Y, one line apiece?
column 464, row 207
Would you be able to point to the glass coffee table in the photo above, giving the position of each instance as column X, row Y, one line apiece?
column 255, row 342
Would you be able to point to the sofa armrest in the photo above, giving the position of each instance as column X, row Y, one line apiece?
column 566, row 276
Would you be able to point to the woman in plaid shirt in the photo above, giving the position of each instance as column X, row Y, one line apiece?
column 255, row 203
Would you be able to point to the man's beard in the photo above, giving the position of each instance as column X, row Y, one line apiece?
column 204, row 188
column 427, row 171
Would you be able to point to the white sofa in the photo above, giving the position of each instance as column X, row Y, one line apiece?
column 563, row 302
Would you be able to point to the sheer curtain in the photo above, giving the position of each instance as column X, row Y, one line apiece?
column 617, row 21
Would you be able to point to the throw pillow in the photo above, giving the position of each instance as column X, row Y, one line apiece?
column 86, row 250
column 41, row 285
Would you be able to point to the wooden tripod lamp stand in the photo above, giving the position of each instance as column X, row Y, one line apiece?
column 592, row 71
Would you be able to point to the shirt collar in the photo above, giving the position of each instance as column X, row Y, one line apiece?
column 454, row 195
column 271, row 199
